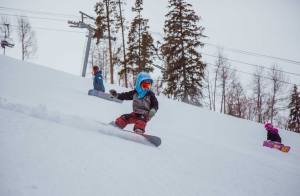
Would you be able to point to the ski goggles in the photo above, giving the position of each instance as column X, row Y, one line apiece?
column 95, row 70
column 269, row 127
column 145, row 85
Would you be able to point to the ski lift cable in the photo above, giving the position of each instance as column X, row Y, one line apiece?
column 251, row 64
column 34, row 17
column 254, row 54
column 256, row 75
column 53, row 29
column 35, row 12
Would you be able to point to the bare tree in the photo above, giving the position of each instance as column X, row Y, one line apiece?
column 207, row 85
column 27, row 37
column 250, row 105
column 282, row 122
column 116, row 60
column 258, row 86
column 213, row 87
column 99, row 57
column 236, row 98
column 158, row 86
column 104, row 62
column 278, row 94
column 95, row 58
column 224, row 76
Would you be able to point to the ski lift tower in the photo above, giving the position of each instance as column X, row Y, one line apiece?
column 7, row 41
column 81, row 24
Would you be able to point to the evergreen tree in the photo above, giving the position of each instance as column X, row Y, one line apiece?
column 140, row 43
column 184, row 67
column 104, row 20
column 294, row 106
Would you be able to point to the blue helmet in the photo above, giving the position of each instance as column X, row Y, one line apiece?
column 142, row 76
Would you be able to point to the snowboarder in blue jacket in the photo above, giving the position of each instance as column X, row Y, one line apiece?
column 144, row 104
column 98, row 81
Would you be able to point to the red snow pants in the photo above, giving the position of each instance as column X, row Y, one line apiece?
column 139, row 120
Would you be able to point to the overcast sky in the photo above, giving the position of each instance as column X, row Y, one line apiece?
column 265, row 27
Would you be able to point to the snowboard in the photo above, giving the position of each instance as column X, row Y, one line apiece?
column 103, row 95
column 156, row 141
column 277, row 146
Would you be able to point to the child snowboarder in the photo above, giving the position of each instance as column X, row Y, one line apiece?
column 98, row 82
column 144, row 104
column 272, row 133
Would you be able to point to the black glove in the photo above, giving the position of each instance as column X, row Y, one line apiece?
column 114, row 93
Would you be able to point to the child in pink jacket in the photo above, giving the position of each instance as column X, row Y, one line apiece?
column 272, row 133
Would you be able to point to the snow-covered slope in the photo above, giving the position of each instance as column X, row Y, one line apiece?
column 51, row 144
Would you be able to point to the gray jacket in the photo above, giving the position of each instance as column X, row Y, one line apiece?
column 140, row 105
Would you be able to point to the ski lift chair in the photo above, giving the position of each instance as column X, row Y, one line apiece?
column 7, row 42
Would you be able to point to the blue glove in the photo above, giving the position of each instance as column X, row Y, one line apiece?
column 114, row 93
column 151, row 112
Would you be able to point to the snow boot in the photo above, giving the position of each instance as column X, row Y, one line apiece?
column 139, row 131
column 113, row 123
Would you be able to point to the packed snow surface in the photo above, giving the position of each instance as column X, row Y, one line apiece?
column 51, row 143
